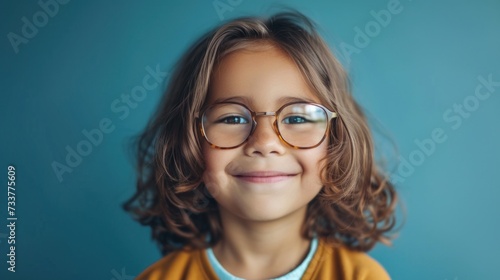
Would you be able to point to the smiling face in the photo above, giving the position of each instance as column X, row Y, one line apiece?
column 263, row 179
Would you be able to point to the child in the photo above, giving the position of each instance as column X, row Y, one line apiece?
column 259, row 163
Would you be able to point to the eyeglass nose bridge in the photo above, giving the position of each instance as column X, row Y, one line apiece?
column 265, row 114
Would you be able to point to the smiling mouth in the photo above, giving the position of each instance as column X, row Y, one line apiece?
column 264, row 177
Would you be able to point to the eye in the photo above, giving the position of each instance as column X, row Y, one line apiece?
column 295, row 120
column 233, row 120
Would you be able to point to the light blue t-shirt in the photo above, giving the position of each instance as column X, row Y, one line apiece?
column 294, row 274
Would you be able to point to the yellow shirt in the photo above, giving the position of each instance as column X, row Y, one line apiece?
column 329, row 262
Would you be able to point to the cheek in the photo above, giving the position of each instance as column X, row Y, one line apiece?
column 313, row 163
column 214, row 175
column 310, row 184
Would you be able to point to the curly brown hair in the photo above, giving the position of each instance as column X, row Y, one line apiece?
column 355, row 207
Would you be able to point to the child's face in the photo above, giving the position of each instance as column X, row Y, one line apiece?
column 261, row 78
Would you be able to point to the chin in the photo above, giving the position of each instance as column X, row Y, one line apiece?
column 265, row 212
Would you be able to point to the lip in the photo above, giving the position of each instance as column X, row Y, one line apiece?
column 264, row 176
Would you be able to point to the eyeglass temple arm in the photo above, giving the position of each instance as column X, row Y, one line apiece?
column 331, row 115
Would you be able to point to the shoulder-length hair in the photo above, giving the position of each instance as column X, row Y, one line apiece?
column 355, row 207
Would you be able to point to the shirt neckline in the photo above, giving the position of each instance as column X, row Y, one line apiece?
column 296, row 273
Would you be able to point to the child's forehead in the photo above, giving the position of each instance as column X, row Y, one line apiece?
column 259, row 75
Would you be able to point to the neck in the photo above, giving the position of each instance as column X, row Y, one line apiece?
column 270, row 248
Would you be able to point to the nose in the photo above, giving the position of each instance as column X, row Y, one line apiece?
column 264, row 140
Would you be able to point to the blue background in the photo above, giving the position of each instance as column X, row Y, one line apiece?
column 65, row 78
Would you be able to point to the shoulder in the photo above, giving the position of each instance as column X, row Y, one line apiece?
column 182, row 264
column 361, row 265
column 339, row 262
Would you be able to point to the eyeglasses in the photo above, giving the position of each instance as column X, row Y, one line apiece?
column 301, row 125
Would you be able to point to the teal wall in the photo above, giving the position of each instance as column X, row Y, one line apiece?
column 413, row 74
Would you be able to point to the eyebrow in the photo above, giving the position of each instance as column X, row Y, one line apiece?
column 281, row 101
